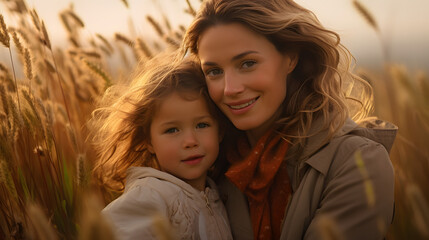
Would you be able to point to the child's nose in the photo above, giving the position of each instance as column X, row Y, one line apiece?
column 190, row 140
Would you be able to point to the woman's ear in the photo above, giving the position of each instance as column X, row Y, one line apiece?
column 292, row 60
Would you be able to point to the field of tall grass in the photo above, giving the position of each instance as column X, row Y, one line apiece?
column 47, row 95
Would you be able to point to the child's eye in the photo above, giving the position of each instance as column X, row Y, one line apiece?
column 213, row 72
column 171, row 130
column 248, row 64
column 203, row 125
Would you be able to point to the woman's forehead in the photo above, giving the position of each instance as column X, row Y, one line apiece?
column 230, row 41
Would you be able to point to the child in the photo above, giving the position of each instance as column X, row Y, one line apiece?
column 162, row 135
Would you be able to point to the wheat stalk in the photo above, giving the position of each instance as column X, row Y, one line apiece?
column 190, row 9
column 5, row 39
column 328, row 228
column 366, row 14
column 30, row 100
column 155, row 25
column 65, row 22
column 162, row 227
column 92, row 54
column 4, row 100
column 94, row 225
column 141, row 46
column 46, row 39
column 166, row 22
column 4, row 34
column 72, row 136
column 41, row 226
column 76, row 18
column 125, row 2
column 105, row 42
column 122, row 38
column 6, row 163
column 49, row 65
column 369, row 188
column 419, row 208
column 98, row 71
column 27, row 64
column 35, row 18
column 172, row 41
column 16, row 116
column 81, row 171
column 17, row 42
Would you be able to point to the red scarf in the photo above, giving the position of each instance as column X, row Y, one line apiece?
column 262, row 176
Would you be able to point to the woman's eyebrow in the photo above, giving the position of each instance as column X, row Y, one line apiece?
column 238, row 56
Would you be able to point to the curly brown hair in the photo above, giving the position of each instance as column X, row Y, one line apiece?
column 120, row 127
column 322, row 83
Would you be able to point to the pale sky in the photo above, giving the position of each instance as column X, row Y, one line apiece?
column 404, row 24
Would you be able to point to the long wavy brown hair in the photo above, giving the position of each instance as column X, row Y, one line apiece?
column 120, row 127
column 321, row 85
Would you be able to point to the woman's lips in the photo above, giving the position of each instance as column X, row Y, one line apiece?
column 242, row 106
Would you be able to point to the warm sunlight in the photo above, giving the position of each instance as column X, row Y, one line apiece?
column 81, row 82
column 403, row 25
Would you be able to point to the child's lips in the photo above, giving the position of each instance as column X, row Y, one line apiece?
column 195, row 159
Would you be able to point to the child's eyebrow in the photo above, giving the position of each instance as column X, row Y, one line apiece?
column 175, row 122
column 204, row 116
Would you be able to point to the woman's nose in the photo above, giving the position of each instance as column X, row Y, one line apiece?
column 233, row 85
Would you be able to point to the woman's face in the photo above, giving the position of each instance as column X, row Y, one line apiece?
column 245, row 75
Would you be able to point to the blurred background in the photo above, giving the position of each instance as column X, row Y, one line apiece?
column 404, row 25
column 58, row 57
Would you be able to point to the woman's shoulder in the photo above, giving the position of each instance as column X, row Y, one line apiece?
column 368, row 138
column 350, row 174
column 373, row 135
column 378, row 131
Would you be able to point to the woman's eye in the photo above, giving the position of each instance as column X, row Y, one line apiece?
column 213, row 72
column 248, row 64
column 202, row 125
column 171, row 130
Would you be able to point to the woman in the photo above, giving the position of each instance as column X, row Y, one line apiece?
column 297, row 164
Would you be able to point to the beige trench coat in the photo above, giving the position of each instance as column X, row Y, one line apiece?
column 345, row 186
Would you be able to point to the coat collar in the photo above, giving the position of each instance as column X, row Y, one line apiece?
column 374, row 129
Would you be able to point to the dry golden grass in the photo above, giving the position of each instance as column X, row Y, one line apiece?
column 45, row 162
column 407, row 105
column 403, row 99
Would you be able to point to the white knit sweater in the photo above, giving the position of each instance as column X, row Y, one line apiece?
column 150, row 194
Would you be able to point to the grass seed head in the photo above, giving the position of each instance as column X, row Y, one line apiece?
column 4, row 33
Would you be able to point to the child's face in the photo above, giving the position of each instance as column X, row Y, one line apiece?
column 185, row 138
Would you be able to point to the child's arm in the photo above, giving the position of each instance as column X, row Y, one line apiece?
column 136, row 214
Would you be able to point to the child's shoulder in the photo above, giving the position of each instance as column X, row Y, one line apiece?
column 152, row 180
column 143, row 190
column 149, row 179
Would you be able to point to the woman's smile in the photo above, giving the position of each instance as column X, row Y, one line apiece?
column 242, row 104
